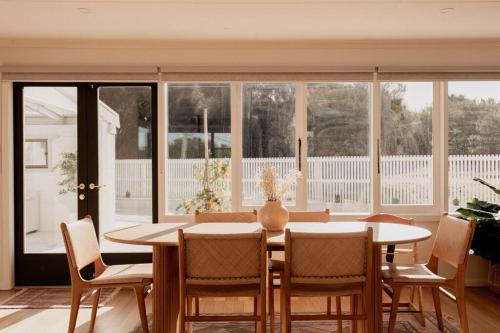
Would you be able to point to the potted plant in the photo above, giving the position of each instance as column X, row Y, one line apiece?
column 338, row 198
column 211, row 197
column 273, row 215
column 68, row 170
column 486, row 241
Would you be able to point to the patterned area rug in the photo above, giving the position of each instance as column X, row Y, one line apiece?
column 53, row 298
column 407, row 323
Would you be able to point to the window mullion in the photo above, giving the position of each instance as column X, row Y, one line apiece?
column 162, row 145
column 236, row 147
column 301, row 133
column 375, row 130
column 443, row 143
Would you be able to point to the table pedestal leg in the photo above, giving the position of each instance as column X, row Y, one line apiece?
column 165, row 289
column 378, row 321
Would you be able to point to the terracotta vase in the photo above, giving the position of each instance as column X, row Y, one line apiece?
column 273, row 216
column 494, row 278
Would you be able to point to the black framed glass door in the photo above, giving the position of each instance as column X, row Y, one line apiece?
column 80, row 148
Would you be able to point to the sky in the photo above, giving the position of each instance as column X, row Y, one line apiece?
column 419, row 94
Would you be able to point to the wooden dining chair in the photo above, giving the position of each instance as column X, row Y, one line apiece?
column 452, row 245
column 347, row 271
column 391, row 251
column 276, row 266
column 208, row 217
column 221, row 217
column 82, row 249
column 222, row 265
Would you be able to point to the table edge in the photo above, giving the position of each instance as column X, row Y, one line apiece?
column 176, row 244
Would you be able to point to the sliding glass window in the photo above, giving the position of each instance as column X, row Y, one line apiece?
column 338, row 150
column 473, row 141
column 406, row 144
column 198, row 165
column 268, row 136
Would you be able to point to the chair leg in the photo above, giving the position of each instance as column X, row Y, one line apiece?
column 95, row 304
column 338, row 301
column 354, row 312
column 462, row 311
column 365, row 311
column 329, row 305
column 196, row 306
column 288, row 314
column 270, row 282
column 75, row 306
column 437, row 308
column 286, row 307
column 182, row 313
column 263, row 314
column 394, row 309
column 190, row 312
column 255, row 313
column 139, row 295
column 421, row 306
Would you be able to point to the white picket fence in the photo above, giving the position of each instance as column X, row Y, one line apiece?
column 404, row 179
column 462, row 168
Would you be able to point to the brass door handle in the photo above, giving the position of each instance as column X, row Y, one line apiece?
column 93, row 186
column 79, row 187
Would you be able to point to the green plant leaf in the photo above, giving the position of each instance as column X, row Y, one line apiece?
column 493, row 188
column 483, row 206
column 475, row 214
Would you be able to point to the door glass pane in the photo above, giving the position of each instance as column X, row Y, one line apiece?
column 50, row 165
column 406, row 143
column 199, row 140
column 268, row 137
column 473, row 141
column 338, row 160
column 125, row 155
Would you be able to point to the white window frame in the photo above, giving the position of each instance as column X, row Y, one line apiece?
column 431, row 209
column 440, row 144
column 237, row 157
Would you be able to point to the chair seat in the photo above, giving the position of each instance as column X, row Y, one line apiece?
column 409, row 273
column 276, row 265
column 125, row 274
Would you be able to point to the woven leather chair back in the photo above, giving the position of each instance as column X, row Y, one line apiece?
column 328, row 258
column 388, row 218
column 453, row 240
column 223, row 259
column 321, row 216
column 202, row 217
column 81, row 242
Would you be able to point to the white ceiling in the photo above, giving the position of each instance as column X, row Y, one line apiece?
column 249, row 20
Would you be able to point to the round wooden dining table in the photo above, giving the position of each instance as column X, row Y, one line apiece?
column 164, row 239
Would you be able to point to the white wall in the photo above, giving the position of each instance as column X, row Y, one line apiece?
column 6, row 189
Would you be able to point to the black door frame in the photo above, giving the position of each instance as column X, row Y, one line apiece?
column 52, row 269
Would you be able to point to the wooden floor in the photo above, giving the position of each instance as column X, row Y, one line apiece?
column 121, row 315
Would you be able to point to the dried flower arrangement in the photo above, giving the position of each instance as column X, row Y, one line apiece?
column 275, row 188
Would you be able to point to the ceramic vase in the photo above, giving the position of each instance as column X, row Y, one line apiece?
column 273, row 216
